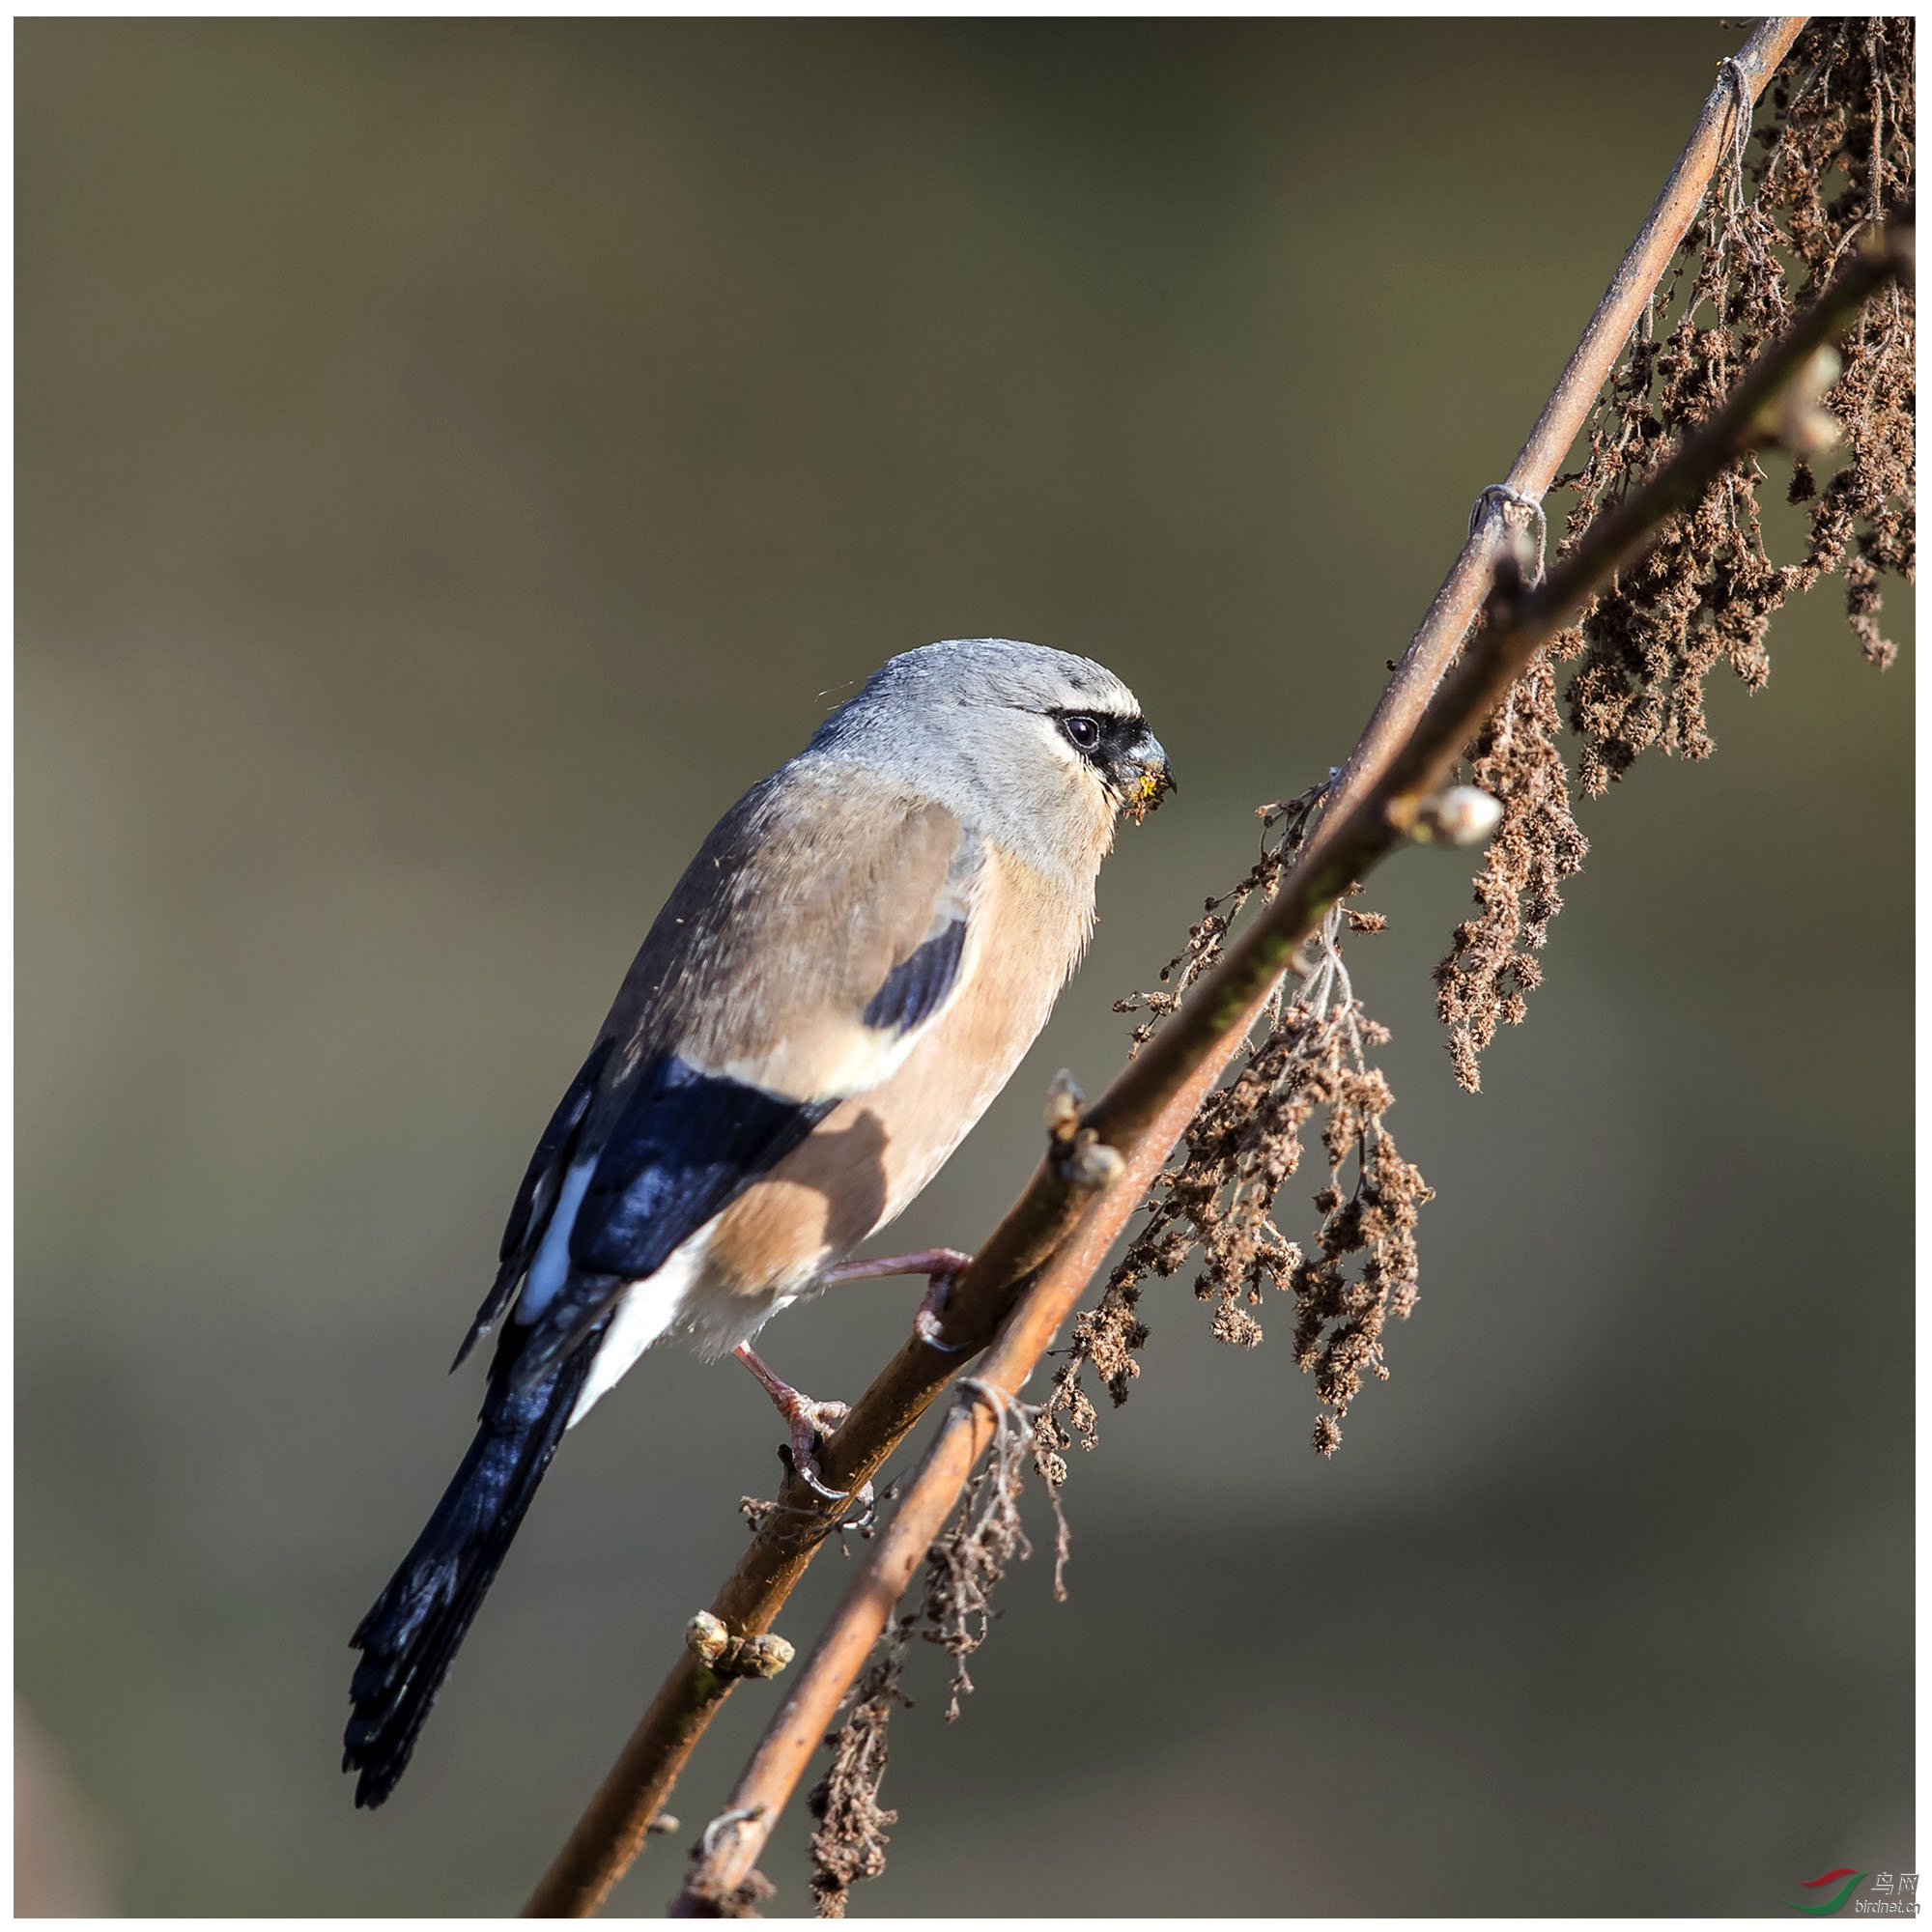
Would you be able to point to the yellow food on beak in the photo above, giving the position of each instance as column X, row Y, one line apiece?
column 1145, row 794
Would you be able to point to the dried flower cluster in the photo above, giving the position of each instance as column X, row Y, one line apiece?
column 1845, row 102
column 966, row 1564
column 1836, row 155
column 1247, row 1141
column 1535, row 848
column 850, row 1841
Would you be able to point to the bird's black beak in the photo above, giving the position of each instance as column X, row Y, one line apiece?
column 1140, row 775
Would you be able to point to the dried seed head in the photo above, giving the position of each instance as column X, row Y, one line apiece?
column 1836, row 155
column 850, row 1842
column 1245, row 1142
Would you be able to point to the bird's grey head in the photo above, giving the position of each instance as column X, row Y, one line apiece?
column 1038, row 747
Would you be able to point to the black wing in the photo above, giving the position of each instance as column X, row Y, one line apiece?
column 686, row 1145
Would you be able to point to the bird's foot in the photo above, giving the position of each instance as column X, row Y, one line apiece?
column 810, row 1423
column 941, row 1267
column 925, row 1324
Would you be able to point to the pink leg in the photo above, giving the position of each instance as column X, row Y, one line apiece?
column 807, row 1421
column 941, row 1267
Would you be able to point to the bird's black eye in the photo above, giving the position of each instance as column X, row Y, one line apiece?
column 1083, row 731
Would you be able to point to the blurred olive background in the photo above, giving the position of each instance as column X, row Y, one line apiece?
column 454, row 460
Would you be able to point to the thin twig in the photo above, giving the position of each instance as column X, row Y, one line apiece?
column 1343, row 850
column 1143, row 1114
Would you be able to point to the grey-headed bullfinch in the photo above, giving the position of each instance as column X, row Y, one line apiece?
column 845, row 976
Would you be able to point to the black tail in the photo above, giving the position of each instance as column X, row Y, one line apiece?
column 412, row 1632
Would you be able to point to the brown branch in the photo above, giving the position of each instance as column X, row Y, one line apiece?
column 1143, row 1114
column 1453, row 607
column 1519, row 622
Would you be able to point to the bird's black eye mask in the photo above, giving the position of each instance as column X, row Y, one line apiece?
column 1101, row 737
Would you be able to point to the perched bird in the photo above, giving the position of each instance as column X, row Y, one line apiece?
column 845, row 976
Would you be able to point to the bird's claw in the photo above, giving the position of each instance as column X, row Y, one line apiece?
column 809, row 1423
column 804, row 1466
column 926, row 1324
column 812, row 1422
